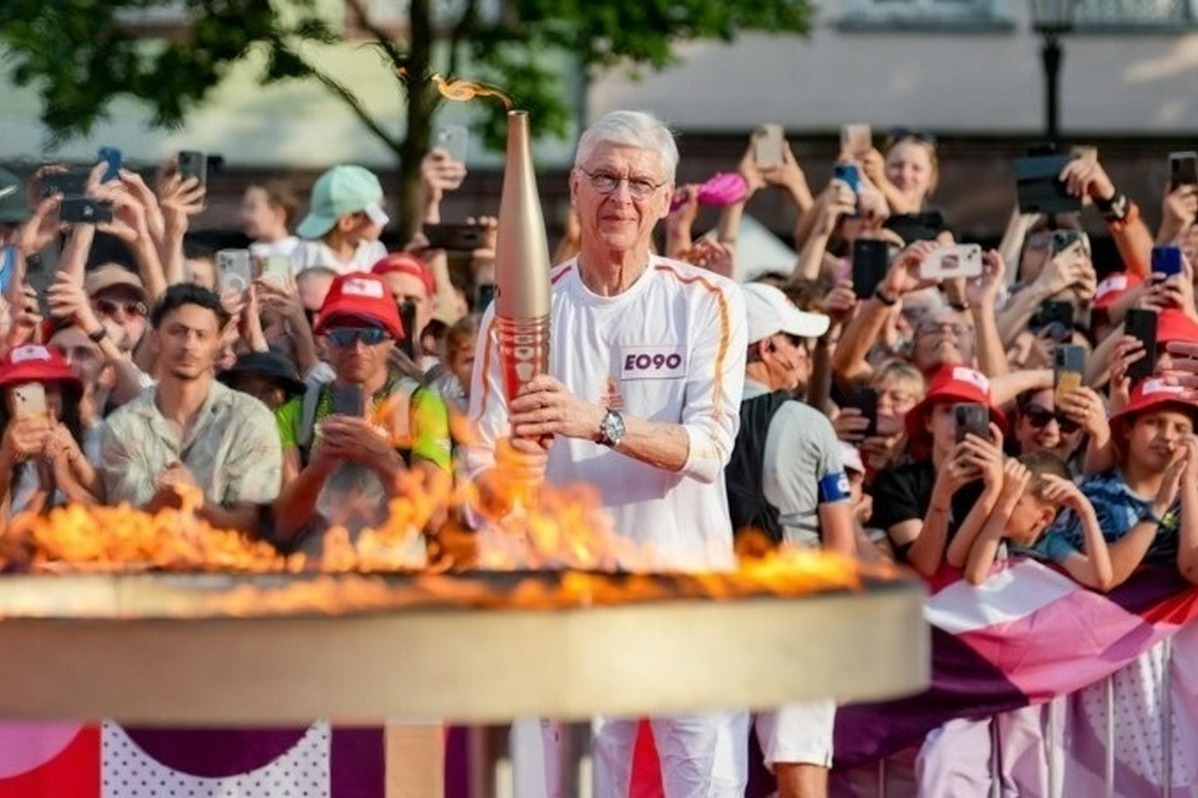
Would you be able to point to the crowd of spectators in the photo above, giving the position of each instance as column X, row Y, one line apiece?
column 960, row 408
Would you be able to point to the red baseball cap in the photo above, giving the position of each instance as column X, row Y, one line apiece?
column 406, row 263
column 1152, row 393
column 1113, row 287
column 37, row 363
column 363, row 296
column 1173, row 325
column 952, row 384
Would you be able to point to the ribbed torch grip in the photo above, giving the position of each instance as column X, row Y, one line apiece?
column 523, row 350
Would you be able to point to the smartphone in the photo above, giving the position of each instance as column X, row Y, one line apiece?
column 767, row 145
column 1141, row 323
column 68, row 184
column 1166, row 260
column 1068, row 368
column 1055, row 316
column 411, row 339
column 912, row 227
column 455, row 140
column 856, row 140
column 1039, row 188
column 276, row 269
column 29, row 401
column 864, row 400
column 112, row 157
column 85, row 210
column 871, row 259
column 1183, row 169
column 484, row 297
column 455, row 237
column 1063, row 239
column 193, row 163
column 8, row 266
column 348, row 400
column 953, row 260
column 849, row 174
column 972, row 419
column 234, row 269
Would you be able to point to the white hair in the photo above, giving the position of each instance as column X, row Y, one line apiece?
column 631, row 129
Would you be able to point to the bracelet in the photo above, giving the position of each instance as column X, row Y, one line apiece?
column 99, row 335
column 1105, row 205
column 888, row 301
column 1130, row 217
column 1115, row 209
column 1148, row 515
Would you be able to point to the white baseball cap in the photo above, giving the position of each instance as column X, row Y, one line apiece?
column 770, row 312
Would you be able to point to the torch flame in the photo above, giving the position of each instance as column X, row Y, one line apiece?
column 467, row 90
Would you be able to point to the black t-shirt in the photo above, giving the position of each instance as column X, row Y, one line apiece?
column 904, row 493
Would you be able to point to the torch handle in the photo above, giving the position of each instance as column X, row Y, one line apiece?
column 523, row 350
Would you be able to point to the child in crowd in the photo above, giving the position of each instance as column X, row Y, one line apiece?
column 1029, row 494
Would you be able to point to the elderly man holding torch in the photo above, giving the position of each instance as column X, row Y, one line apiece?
column 639, row 398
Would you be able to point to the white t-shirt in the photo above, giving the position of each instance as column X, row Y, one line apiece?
column 283, row 248
column 311, row 254
column 670, row 349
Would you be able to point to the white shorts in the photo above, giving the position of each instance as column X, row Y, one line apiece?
column 798, row 733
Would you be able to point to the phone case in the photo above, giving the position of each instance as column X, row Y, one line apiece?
column 871, row 259
column 1166, row 259
column 455, row 140
column 972, row 419
column 234, row 268
column 85, row 210
column 29, row 401
column 1038, row 188
column 1069, row 368
column 193, row 164
column 348, row 400
column 866, row 401
column 1141, row 323
column 767, row 146
column 958, row 260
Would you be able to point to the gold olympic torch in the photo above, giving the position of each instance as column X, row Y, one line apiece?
column 521, row 266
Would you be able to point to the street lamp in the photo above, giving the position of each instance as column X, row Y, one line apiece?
column 1051, row 18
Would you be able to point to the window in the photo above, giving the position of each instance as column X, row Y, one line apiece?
column 1089, row 14
column 982, row 15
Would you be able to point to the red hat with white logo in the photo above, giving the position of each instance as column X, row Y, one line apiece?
column 362, row 297
column 1113, row 287
column 37, row 363
column 950, row 385
column 1153, row 393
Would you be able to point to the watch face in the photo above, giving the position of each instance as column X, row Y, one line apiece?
column 613, row 427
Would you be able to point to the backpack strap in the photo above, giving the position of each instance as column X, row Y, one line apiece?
column 307, row 426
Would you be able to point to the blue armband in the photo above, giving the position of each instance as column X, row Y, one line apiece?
column 834, row 488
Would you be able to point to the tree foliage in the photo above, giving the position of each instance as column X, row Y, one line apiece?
column 80, row 55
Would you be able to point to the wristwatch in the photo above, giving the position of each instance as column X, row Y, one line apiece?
column 611, row 429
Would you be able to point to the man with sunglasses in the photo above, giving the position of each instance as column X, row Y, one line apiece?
column 347, row 442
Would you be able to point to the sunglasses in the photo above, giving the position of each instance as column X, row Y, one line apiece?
column 1039, row 417
column 344, row 337
column 109, row 307
column 898, row 134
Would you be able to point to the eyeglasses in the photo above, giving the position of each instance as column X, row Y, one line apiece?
column 345, row 337
column 109, row 307
column 607, row 183
column 1039, row 417
column 928, row 327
